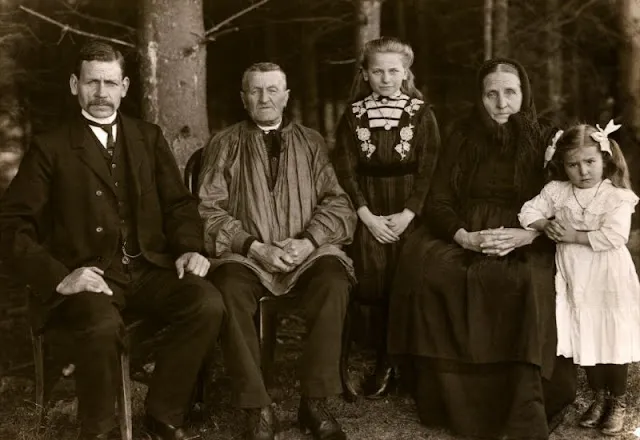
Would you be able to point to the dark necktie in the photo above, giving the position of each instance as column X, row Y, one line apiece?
column 272, row 141
column 107, row 128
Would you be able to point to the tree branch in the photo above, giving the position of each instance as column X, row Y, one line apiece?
column 228, row 20
column 74, row 11
column 222, row 32
column 67, row 28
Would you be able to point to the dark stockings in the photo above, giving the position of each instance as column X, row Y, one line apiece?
column 610, row 377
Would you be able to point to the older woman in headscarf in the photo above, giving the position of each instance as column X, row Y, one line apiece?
column 472, row 314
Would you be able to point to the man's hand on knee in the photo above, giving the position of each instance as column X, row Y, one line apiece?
column 84, row 279
column 192, row 262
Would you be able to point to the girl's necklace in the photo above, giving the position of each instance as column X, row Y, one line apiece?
column 387, row 125
column 584, row 208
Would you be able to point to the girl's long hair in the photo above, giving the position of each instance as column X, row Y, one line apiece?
column 614, row 165
column 361, row 88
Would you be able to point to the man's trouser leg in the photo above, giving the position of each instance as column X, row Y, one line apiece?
column 324, row 296
column 241, row 290
column 194, row 311
column 97, row 330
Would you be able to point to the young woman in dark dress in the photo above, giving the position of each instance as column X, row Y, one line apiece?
column 387, row 144
column 472, row 307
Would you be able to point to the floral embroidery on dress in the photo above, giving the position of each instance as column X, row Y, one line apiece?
column 358, row 108
column 414, row 106
column 365, row 136
column 406, row 133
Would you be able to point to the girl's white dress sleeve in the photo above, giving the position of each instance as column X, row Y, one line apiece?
column 616, row 224
column 541, row 206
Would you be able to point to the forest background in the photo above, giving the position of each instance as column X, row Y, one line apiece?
column 185, row 59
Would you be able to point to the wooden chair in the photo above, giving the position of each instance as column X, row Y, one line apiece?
column 271, row 306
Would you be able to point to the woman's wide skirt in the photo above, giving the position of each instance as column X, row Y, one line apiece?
column 478, row 333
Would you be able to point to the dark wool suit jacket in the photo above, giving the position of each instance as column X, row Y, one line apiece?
column 60, row 211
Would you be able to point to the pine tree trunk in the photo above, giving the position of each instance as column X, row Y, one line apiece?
column 368, row 13
column 488, row 29
column 501, row 41
column 173, row 72
column 554, row 57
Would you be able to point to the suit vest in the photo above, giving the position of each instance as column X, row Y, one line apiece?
column 120, row 179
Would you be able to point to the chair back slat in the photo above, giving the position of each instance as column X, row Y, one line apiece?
column 192, row 171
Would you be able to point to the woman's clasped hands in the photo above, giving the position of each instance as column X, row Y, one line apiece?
column 386, row 229
column 495, row 242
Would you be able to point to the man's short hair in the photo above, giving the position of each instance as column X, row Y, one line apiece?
column 98, row 51
column 261, row 67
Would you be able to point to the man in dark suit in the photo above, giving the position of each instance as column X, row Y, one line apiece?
column 97, row 219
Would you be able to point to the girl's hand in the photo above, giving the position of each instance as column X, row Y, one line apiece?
column 400, row 221
column 554, row 230
column 563, row 233
column 378, row 225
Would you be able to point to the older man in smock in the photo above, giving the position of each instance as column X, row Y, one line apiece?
column 275, row 220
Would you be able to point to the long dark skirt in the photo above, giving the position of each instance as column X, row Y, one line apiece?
column 498, row 401
column 479, row 333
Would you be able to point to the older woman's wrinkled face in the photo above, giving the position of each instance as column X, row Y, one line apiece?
column 501, row 95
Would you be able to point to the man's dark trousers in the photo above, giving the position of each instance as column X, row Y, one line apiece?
column 192, row 309
column 323, row 295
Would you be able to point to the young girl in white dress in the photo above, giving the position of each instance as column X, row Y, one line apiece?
column 586, row 209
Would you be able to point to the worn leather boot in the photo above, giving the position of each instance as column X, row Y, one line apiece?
column 593, row 416
column 614, row 419
column 314, row 417
column 263, row 424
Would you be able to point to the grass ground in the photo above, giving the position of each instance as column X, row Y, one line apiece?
column 392, row 418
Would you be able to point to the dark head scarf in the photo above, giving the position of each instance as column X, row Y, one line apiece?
column 519, row 137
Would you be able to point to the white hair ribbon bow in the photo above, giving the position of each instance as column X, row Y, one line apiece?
column 551, row 149
column 602, row 136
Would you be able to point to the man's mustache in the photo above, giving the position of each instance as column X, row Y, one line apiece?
column 102, row 102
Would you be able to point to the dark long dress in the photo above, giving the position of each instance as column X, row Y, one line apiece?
column 387, row 183
column 479, row 331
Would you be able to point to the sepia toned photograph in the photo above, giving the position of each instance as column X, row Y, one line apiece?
column 319, row 219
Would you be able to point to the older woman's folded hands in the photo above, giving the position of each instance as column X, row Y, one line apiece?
column 496, row 242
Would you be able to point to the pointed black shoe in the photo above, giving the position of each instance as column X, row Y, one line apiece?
column 593, row 416
column 314, row 417
column 157, row 430
column 263, row 424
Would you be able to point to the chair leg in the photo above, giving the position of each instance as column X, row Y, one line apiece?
column 124, row 399
column 267, row 329
column 348, row 391
column 37, row 342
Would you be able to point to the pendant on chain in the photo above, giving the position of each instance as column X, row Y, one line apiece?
column 387, row 126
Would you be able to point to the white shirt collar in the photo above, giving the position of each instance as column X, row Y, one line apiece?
column 269, row 127
column 108, row 120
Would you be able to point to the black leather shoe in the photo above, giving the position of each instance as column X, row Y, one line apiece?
column 157, row 430
column 381, row 382
column 113, row 434
column 314, row 417
column 263, row 423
